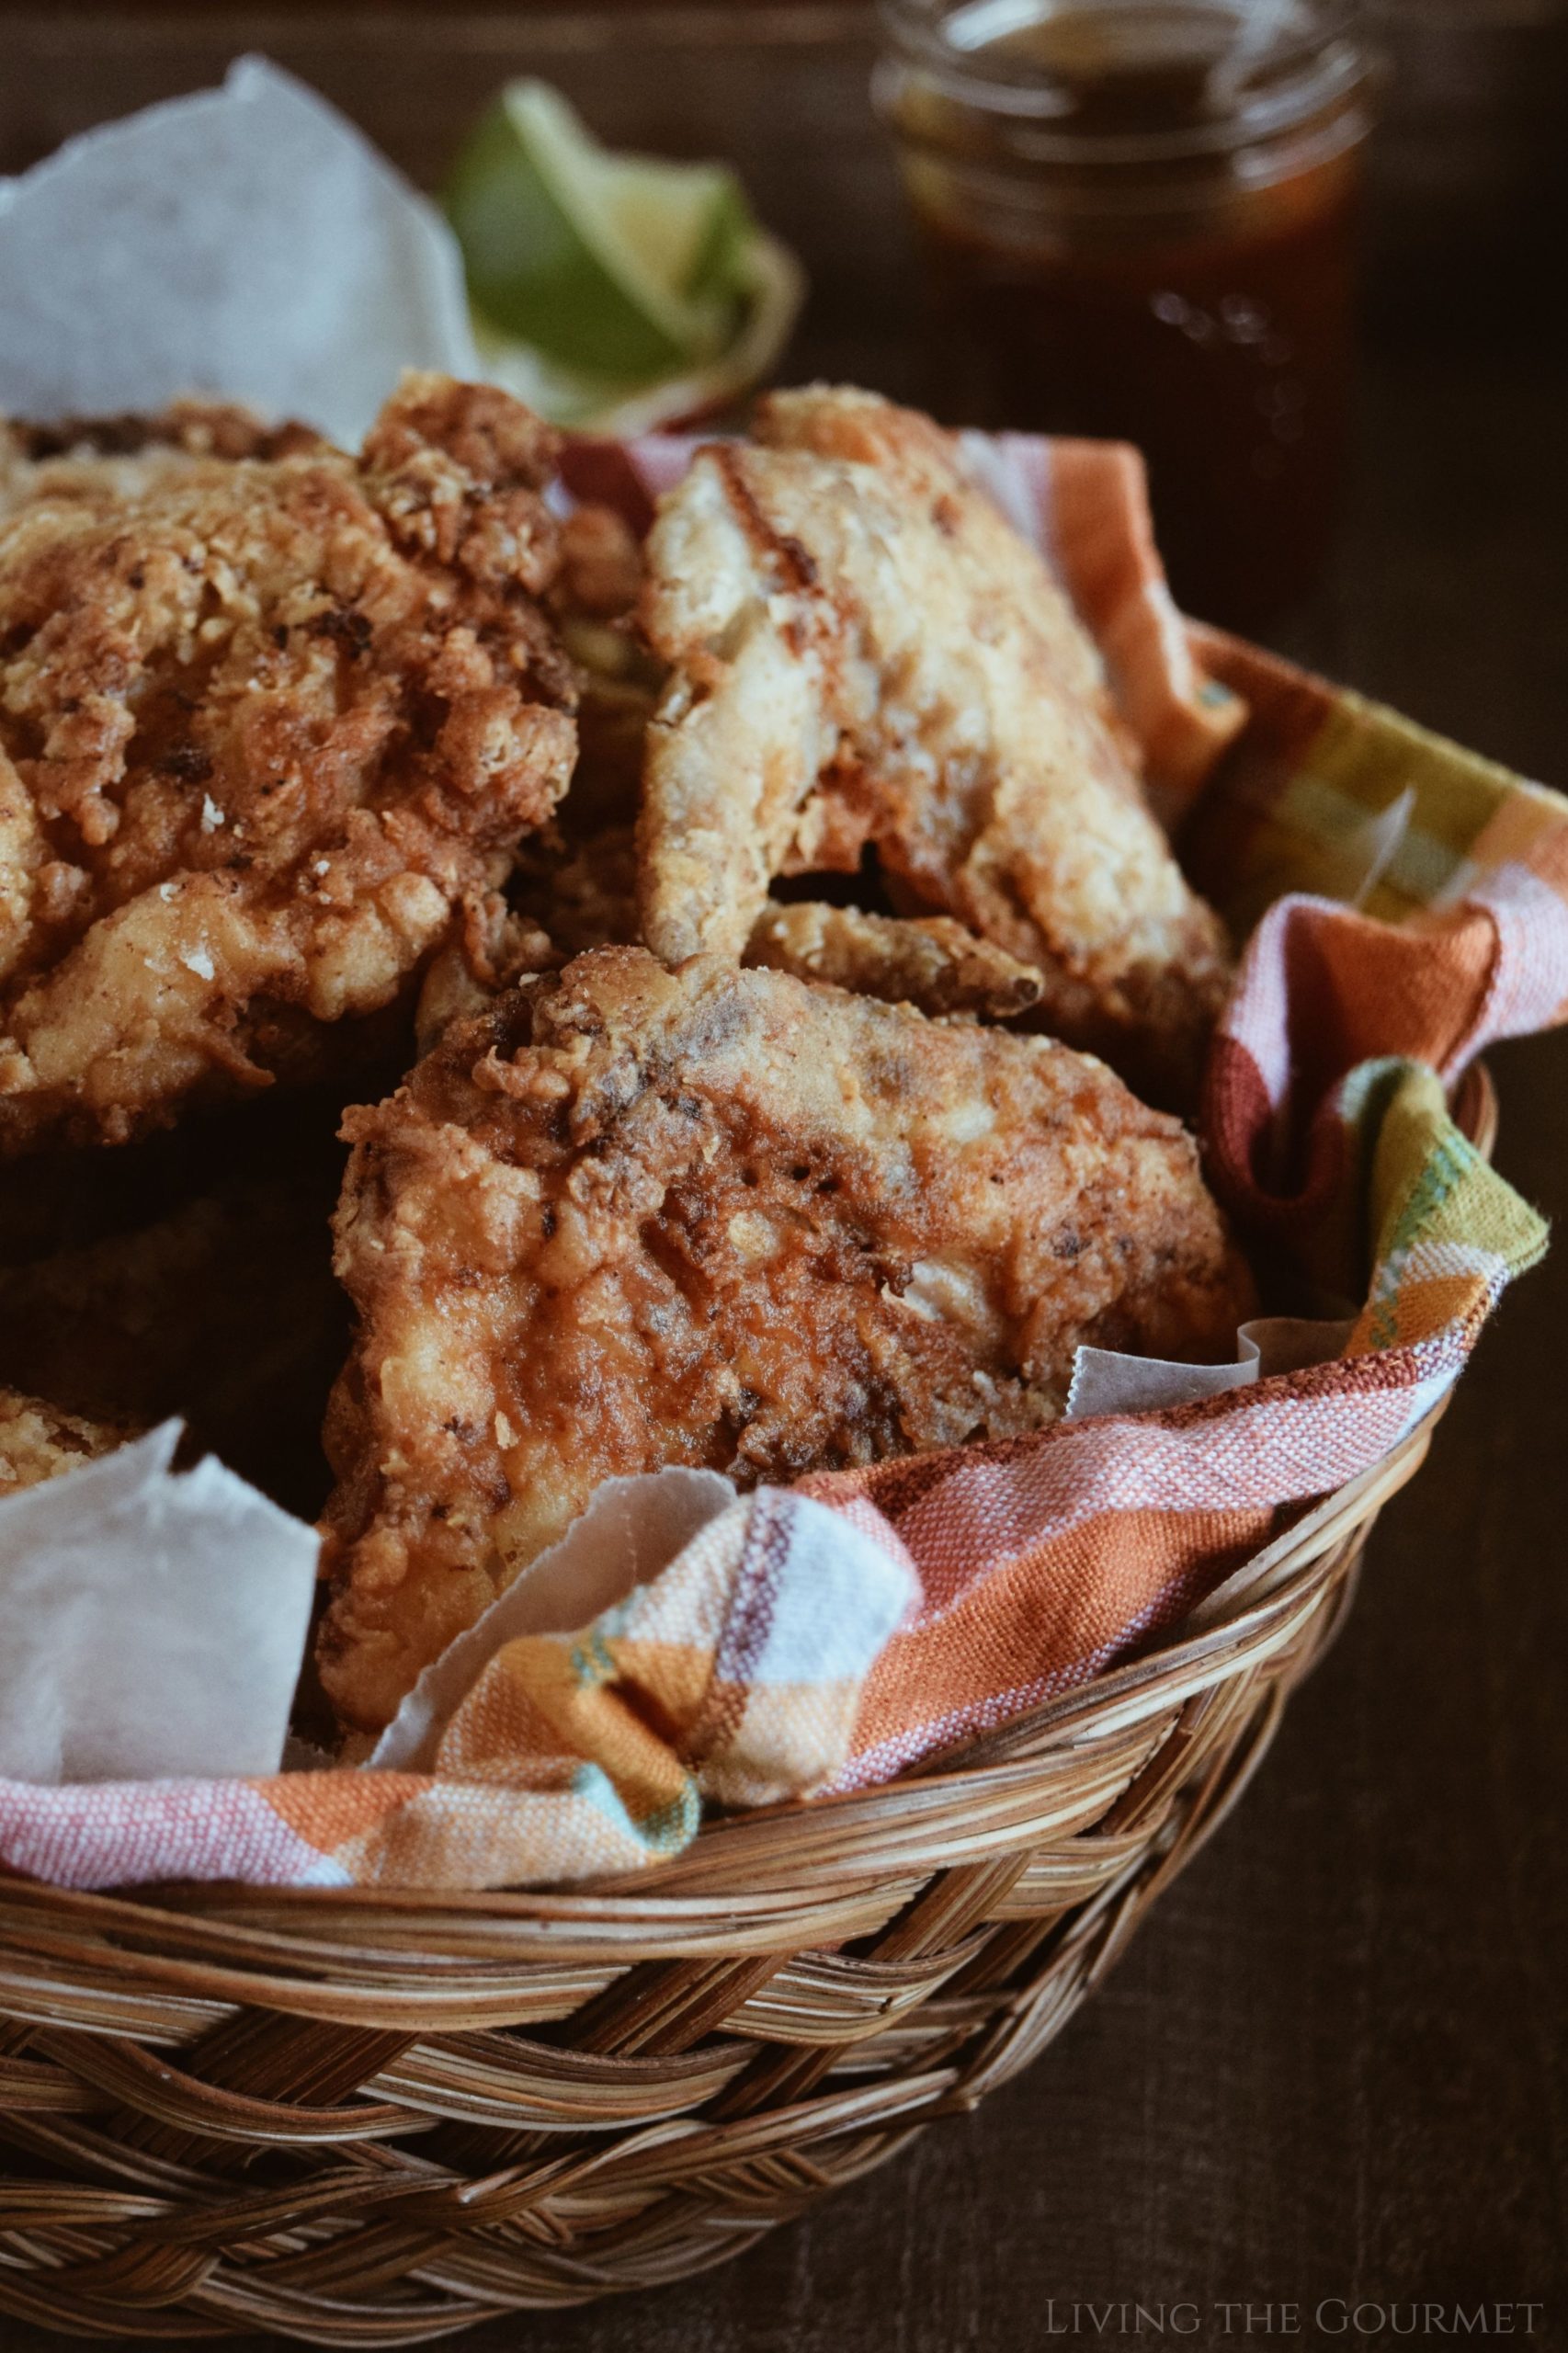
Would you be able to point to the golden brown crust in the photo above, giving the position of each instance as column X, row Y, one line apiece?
column 717, row 1217
column 266, row 723
column 197, row 427
column 493, row 949
column 38, row 1441
column 102, row 461
column 863, row 650
column 928, row 962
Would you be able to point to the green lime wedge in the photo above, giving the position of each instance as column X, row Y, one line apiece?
column 772, row 288
column 617, row 266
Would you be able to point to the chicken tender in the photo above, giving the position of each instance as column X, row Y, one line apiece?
column 38, row 1441
column 269, row 716
column 862, row 649
column 931, row 962
column 717, row 1217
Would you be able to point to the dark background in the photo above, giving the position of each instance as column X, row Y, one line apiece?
column 1332, row 2066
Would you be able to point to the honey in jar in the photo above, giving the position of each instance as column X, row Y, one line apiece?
column 1137, row 216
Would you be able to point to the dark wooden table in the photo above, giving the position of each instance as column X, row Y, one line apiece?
column 1332, row 2070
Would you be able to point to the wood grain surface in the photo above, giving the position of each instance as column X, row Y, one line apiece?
column 1331, row 2072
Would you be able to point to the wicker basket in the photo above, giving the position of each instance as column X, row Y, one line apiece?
column 370, row 2119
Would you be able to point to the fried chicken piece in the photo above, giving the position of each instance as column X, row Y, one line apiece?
column 719, row 1217
column 266, row 723
column 38, row 1441
column 931, row 961
column 863, row 649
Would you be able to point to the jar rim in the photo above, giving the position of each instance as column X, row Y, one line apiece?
column 1321, row 67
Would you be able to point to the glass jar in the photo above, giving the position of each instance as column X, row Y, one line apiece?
column 1138, row 217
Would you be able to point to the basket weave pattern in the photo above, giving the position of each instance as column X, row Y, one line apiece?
column 363, row 2118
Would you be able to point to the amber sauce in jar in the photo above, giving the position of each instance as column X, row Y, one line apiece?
column 1138, row 220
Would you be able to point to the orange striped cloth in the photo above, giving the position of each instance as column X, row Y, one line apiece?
column 1407, row 903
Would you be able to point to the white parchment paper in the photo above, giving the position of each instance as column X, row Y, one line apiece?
column 246, row 241
column 1104, row 1383
column 151, row 1622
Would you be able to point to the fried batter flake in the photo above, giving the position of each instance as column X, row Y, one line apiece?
column 862, row 649
column 566, row 899
column 38, row 1441
column 493, row 949
column 929, row 962
column 102, row 461
column 267, row 720
column 717, row 1217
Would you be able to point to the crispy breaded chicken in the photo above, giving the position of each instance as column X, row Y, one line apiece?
column 101, row 461
column 493, row 948
column 38, row 1441
column 929, row 962
column 719, row 1217
column 862, row 649
column 569, row 898
column 267, row 723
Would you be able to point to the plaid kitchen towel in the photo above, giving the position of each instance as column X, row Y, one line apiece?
column 1411, row 904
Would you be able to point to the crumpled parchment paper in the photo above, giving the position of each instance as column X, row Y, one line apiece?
column 246, row 241
column 151, row 1622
